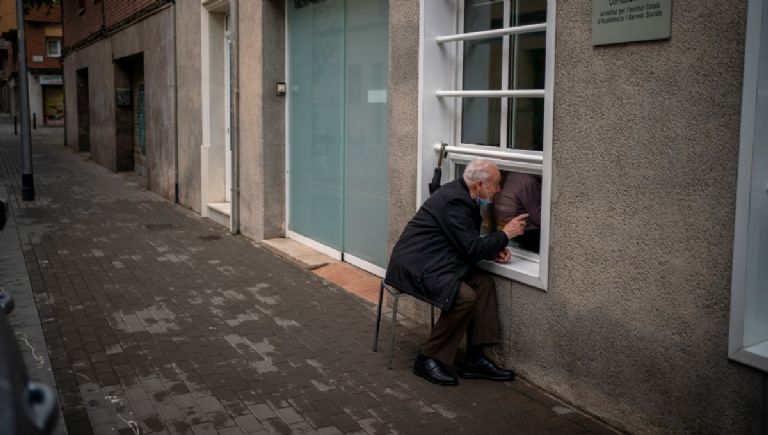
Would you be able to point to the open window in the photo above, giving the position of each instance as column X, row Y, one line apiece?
column 486, row 83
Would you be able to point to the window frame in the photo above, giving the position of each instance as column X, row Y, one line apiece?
column 752, row 354
column 506, row 74
column 48, row 48
column 440, row 72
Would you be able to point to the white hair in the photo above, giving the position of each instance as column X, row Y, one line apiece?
column 478, row 170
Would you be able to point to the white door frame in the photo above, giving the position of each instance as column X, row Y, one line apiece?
column 214, row 149
column 227, row 108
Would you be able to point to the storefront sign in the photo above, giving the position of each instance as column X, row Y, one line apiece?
column 50, row 79
column 617, row 21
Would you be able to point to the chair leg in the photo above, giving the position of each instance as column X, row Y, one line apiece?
column 394, row 324
column 378, row 318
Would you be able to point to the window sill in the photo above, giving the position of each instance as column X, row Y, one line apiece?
column 520, row 269
column 755, row 356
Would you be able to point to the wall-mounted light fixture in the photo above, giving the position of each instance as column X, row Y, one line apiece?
column 280, row 89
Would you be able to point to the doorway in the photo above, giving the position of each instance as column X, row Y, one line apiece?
column 130, row 119
column 216, row 150
column 83, row 112
column 338, row 137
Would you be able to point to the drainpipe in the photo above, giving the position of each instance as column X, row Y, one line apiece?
column 103, row 17
column 234, row 113
column 174, row 61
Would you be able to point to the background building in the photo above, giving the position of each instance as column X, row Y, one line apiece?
column 44, row 44
column 118, row 70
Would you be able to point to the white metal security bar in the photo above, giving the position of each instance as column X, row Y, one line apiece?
column 507, row 154
column 520, row 93
column 487, row 34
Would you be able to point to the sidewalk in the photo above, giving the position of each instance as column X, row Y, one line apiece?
column 24, row 319
column 158, row 321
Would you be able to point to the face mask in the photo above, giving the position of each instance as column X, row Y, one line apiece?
column 483, row 202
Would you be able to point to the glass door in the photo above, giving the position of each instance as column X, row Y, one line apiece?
column 316, row 121
column 366, row 131
column 338, row 127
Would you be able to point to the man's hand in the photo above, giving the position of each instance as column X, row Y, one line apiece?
column 515, row 227
column 503, row 256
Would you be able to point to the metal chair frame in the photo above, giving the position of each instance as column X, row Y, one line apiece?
column 395, row 293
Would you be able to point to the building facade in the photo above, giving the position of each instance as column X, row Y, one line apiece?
column 44, row 34
column 120, row 88
column 639, row 295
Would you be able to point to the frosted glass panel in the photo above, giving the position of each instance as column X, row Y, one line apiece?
column 316, row 56
column 366, row 127
column 338, row 129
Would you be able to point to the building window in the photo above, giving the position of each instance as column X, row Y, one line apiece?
column 486, row 91
column 53, row 47
column 748, row 341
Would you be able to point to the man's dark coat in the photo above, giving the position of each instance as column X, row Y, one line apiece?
column 440, row 245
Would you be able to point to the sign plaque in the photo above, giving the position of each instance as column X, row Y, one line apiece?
column 617, row 21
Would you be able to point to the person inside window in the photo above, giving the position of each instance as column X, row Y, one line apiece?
column 521, row 194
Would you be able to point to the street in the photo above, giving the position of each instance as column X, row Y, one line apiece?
column 159, row 321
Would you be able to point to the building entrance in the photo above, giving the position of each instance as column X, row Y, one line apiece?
column 338, row 128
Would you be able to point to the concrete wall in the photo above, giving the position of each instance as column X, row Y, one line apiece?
column 262, row 119
column 634, row 325
column 188, row 76
column 153, row 36
column 97, row 57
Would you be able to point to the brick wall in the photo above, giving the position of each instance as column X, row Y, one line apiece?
column 36, row 46
column 35, row 23
column 116, row 11
column 79, row 23
column 44, row 14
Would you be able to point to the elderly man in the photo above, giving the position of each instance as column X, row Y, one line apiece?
column 434, row 260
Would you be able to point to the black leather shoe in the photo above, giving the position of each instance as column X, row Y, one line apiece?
column 433, row 371
column 485, row 369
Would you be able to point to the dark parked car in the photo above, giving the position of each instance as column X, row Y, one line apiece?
column 26, row 407
column 2, row 214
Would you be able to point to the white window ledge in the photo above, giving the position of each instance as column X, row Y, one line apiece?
column 755, row 356
column 524, row 270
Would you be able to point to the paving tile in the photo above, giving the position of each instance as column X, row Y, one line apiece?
column 340, row 273
column 248, row 423
column 289, row 415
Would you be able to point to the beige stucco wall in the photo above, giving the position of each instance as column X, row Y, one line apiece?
column 97, row 57
column 403, row 113
column 634, row 325
column 262, row 118
column 152, row 37
column 188, row 77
